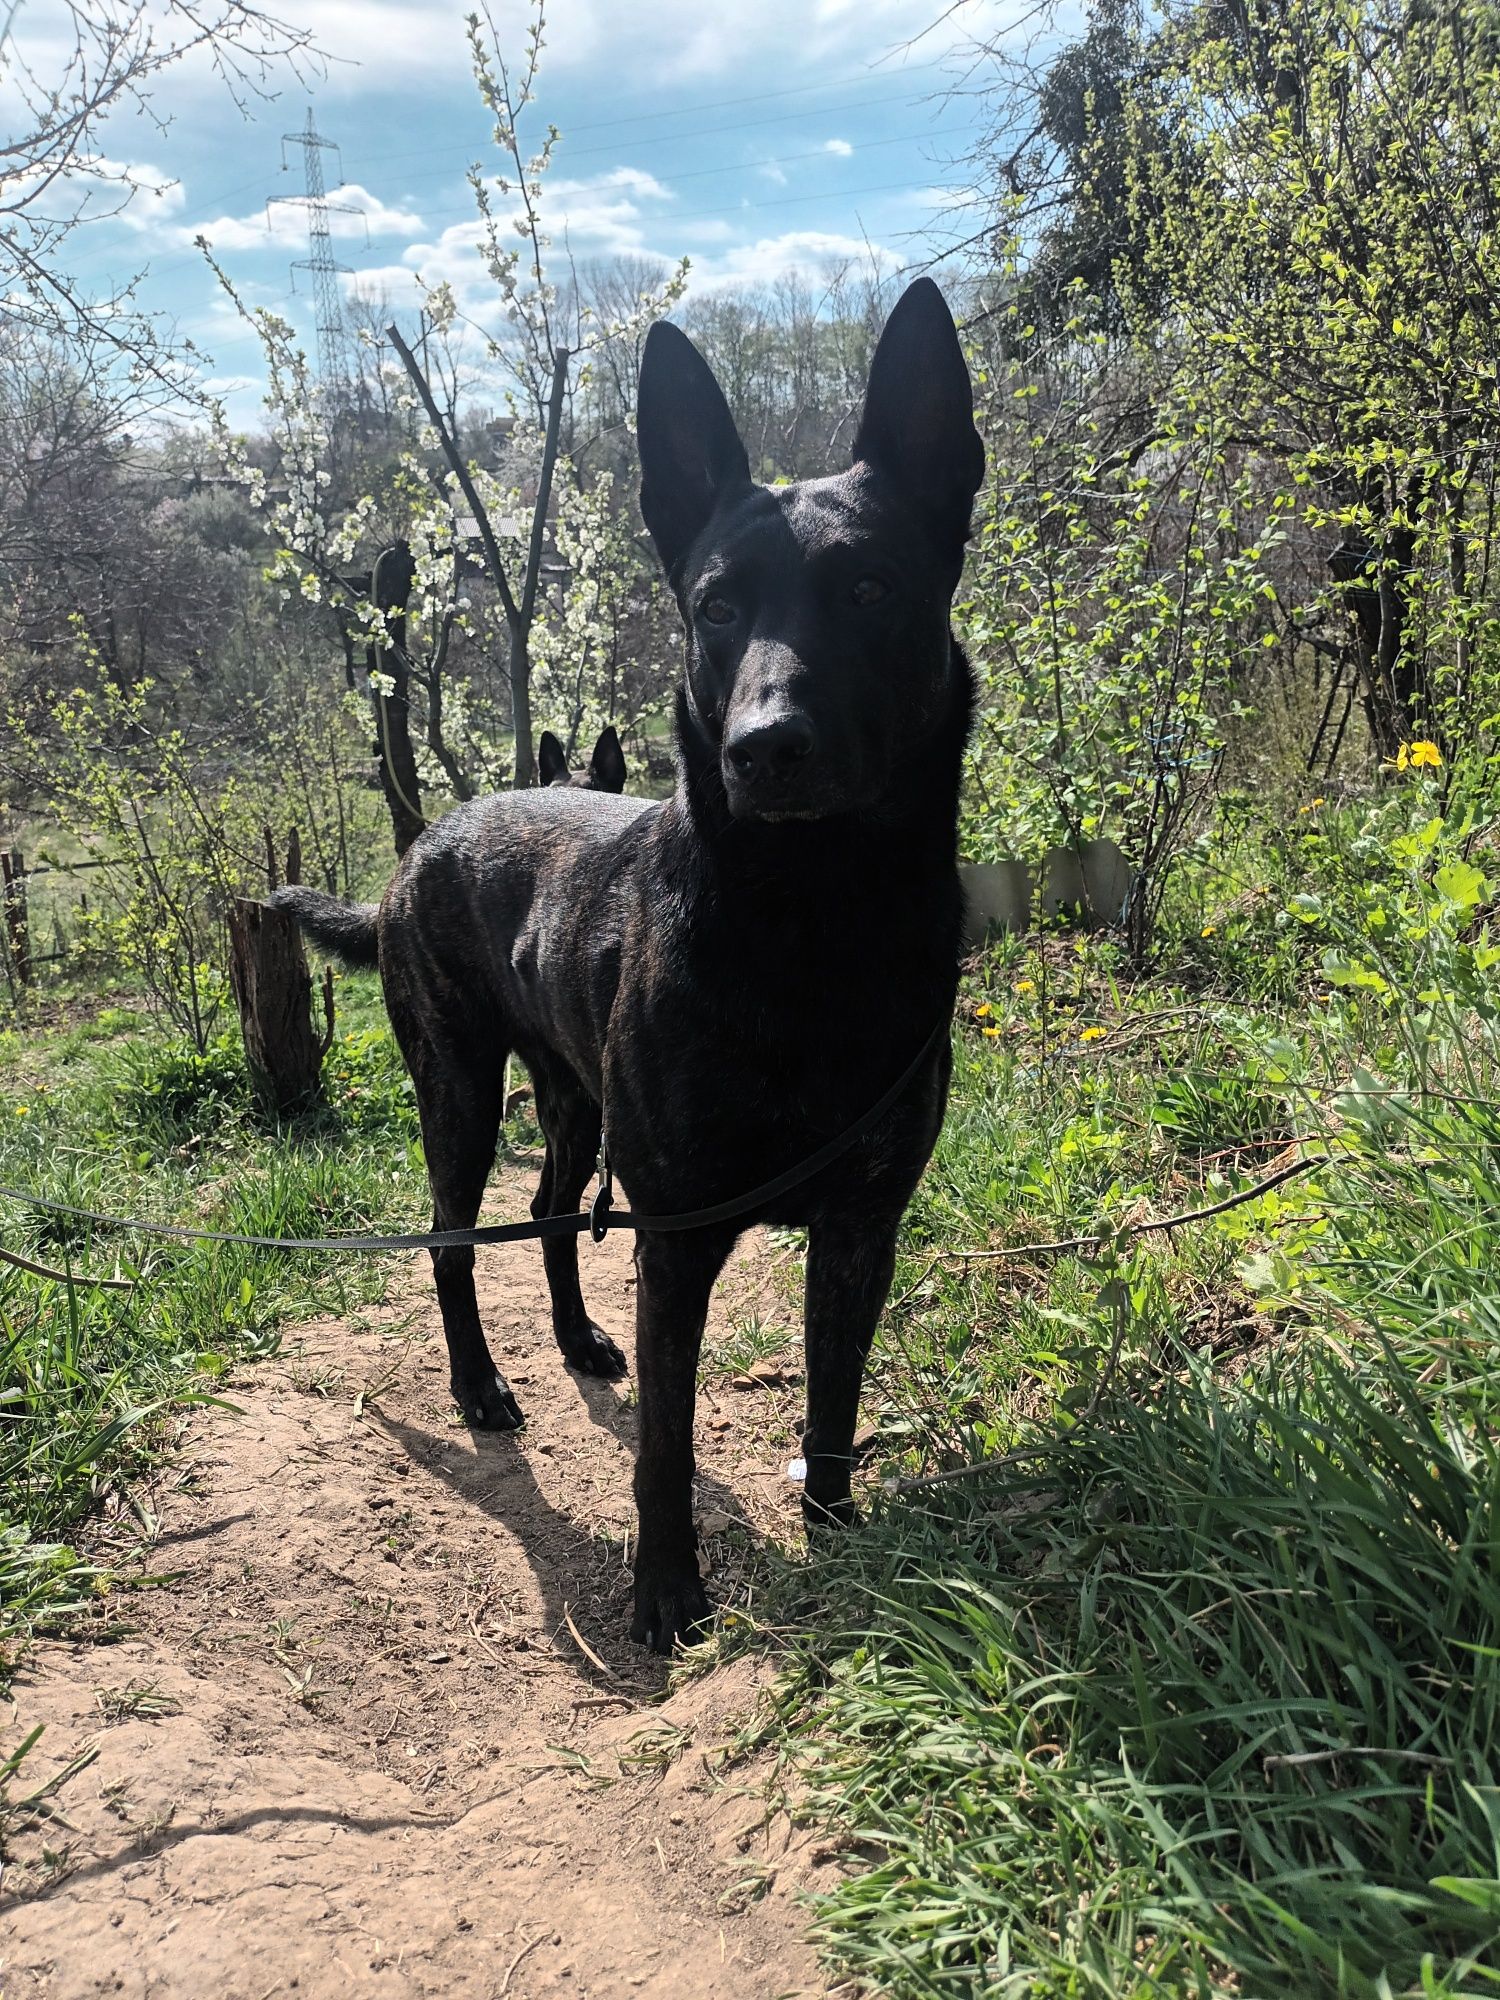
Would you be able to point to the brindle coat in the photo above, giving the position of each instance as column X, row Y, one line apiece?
column 738, row 973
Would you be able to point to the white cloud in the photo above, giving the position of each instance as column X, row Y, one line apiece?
column 423, row 41
column 354, row 213
column 606, row 215
column 677, row 40
column 150, row 197
column 810, row 251
column 840, row 148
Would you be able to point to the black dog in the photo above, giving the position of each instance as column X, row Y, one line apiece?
column 605, row 771
column 738, row 974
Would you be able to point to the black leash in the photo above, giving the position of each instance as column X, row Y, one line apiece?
column 596, row 1221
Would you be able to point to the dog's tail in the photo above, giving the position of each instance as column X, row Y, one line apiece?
column 347, row 930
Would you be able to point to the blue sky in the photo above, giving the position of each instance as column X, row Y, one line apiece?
column 750, row 135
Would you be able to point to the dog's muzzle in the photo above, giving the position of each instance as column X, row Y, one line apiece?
column 770, row 766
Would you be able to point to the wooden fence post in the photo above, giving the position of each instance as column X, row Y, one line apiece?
column 13, row 897
column 272, row 990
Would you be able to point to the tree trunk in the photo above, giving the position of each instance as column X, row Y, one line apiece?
column 396, row 760
column 520, row 625
column 272, row 989
column 1376, row 594
column 520, row 708
column 390, row 588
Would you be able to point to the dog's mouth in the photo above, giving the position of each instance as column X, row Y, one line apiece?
column 778, row 809
column 777, row 800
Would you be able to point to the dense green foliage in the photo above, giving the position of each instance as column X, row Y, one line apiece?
column 1190, row 1687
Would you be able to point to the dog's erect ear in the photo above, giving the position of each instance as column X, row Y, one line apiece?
column 551, row 764
column 691, row 455
column 608, row 762
column 918, row 422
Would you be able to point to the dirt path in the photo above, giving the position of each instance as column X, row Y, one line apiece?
column 354, row 1746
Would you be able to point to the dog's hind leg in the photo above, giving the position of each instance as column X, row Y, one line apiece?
column 458, row 1165
column 458, row 1099
column 569, row 1120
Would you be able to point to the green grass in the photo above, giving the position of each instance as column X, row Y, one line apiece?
column 1184, row 1677
column 1197, row 1690
column 92, row 1382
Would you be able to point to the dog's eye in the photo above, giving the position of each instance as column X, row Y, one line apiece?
column 716, row 611
column 871, row 590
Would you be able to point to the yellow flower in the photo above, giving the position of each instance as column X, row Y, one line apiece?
column 1208, row 930
column 1026, row 986
column 1423, row 752
column 990, row 1034
column 1092, row 1035
column 981, row 1010
column 23, row 1110
column 1318, row 802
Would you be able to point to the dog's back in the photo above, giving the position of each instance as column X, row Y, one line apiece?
column 516, row 902
column 501, row 915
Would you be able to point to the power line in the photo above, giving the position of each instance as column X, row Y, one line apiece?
column 566, row 154
column 714, row 104
column 334, row 369
column 713, row 214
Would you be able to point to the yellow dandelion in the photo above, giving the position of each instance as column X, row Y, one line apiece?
column 1025, row 986
column 23, row 1110
column 1092, row 1035
column 981, row 1010
column 1208, row 930
column 1318, row 802
column 990, row 1034
column 1423, row 753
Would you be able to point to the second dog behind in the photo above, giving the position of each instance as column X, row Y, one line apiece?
column 604, row 772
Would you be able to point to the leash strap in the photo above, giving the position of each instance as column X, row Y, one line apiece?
column 596, row 1221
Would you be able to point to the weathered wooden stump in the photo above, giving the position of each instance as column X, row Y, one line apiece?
column 273, row 991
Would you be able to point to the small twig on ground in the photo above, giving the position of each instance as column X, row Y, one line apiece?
column 916, row 1483
column 598, row 1701
column 912, row 1289
column 373, row 1391
column 1298, row 1759
column 65, row 1277
column 586, row 1649
column 1058, row 1249
column 510, row 1970
column 1167, row 1222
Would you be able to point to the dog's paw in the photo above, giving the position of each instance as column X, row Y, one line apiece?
column 821, row 1517
column 592, row 1352
column 669, row 1610
column 488, row 1404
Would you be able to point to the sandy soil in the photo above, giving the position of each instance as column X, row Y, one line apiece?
column 381, row 1730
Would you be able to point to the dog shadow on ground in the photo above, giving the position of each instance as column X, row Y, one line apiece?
column 581, row 1562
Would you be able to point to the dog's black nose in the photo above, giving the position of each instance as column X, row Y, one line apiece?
column 772, row 749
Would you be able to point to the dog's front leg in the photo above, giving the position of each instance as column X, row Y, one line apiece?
column 674, row 1276
column 849, row 1264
